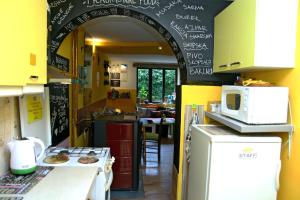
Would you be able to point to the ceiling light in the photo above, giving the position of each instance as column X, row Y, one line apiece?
column 159, row 47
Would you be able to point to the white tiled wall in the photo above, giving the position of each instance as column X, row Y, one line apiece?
column 9, row 128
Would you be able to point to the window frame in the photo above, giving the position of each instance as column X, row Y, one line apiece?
column 152, row 67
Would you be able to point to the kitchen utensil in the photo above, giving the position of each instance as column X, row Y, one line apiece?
column 23, row 158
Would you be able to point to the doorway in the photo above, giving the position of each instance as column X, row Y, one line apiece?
column 103, row 61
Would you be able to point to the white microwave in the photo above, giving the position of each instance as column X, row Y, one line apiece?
column 255, row 105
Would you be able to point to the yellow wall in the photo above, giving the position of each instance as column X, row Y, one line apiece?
column 126, row 105
column 80, row 60
column 290, row 172
column 99, row 91
column 200, row 95
column 65, row 49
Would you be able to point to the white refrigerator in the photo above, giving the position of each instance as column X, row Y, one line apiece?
column 225, row 165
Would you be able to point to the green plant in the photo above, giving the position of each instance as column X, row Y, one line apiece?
column 143, row 93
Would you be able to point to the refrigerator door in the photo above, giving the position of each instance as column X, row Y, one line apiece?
column 244, row 171
column 199, row 166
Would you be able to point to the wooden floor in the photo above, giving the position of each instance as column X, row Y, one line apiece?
column 157, row 177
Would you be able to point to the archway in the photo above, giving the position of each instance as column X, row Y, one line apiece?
column 58, row 36
column 186, row 25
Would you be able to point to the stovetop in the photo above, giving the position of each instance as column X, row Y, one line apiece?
column 79, row 151
column 74, row 153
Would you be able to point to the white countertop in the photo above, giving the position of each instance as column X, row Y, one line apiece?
column 63, row 183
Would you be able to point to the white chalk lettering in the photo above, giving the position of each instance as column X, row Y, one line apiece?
column 193, row 7
column 195, row 28
column 194, row 36
column 168, row 7
column 182, row 33
column 149, row 2
column 188, row 17
column 100, row 13
column 194, row 56
column 57, row 16
column 195, row 46
column 67, row 11
column 56, row 3
column 200, row 71
column 131, row 3
column 206, row 62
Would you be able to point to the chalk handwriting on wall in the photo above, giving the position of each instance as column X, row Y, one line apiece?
column 62, row 14
column 59, row 112
column 144, row 4
column 193, row 7
column 168, row 7
column 62, row 63
column 56, row 3
column 187, row 26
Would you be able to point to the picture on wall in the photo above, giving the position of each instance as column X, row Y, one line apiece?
column 124, row 77
column 114, row 75
column 115, row 83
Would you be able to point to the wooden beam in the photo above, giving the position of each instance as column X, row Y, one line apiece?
column 123, row 44
column 137, row 50
column 156, row 48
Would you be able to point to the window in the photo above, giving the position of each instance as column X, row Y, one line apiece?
column 156, row 84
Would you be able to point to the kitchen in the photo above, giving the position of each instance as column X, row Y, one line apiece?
column 286, row 77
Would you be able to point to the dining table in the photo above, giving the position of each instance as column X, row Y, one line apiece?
column 152, row 122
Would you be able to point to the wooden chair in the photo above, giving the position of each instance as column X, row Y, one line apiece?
column 151, row 139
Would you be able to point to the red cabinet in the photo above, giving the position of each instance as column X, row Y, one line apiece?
column 120, row 140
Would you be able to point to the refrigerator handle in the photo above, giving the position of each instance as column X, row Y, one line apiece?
column 277, row 184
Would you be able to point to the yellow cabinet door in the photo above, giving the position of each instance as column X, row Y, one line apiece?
column 221, row 57
column 11, row 43
column 251, row 34
column 235, row 36
column 36, row 34
column 23, row 42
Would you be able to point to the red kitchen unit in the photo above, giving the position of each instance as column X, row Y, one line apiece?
column 120, row 140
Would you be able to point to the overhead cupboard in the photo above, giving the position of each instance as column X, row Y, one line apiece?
column 23, row 50
column 255, row 34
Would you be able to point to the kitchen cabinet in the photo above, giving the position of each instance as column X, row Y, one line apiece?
column 256, row 34
column 23, row 42
column 120, row 141
column 77, row 184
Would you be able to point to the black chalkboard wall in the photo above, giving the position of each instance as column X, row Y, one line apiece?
column 187, row 25
column 59, row 112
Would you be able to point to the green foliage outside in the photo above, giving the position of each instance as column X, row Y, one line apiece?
column 157, row 84
column 143, row 83
column 170, row 82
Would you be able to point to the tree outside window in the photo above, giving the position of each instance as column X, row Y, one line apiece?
column 157, row 84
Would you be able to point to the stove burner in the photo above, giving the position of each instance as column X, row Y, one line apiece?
column 56, row 159
column 64, row 152
column 87, row 160
column 91, row 153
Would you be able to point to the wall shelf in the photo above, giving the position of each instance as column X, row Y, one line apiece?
column 246, row 128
